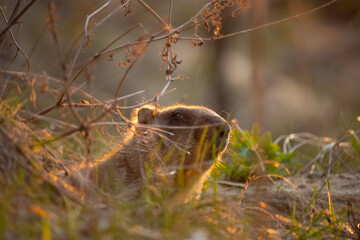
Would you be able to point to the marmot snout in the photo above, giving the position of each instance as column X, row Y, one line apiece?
column 202, row 132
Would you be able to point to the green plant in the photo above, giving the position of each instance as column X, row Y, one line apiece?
column 242, row 158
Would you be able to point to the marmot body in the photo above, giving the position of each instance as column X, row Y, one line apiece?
column 177, row 144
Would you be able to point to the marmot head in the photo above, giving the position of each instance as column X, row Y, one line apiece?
column 188, row 137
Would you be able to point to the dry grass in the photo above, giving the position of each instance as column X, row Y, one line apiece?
column 49, row 123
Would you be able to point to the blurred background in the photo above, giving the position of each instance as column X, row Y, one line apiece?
column 299, row 75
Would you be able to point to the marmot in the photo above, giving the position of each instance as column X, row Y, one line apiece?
column 177, row 144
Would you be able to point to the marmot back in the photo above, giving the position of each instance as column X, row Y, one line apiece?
column 176, row 146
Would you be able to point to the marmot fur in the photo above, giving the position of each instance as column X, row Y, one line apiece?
column 176, row 145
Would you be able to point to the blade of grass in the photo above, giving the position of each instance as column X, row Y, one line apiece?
column 331, row 206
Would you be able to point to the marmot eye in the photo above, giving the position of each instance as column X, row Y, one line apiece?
column 178, row 117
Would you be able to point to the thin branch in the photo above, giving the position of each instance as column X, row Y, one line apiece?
column 303, row 138
column 16, row 44
column 86, row 33
column 192, row 19
column 69, row 100
column 15, row 10
column 235, row 184
column 165, row 88
column 145, row 102
column 58, row 104
column 37, row 41
column 181, row 27
column 155, row 128
column 52, row 29
column 126, row 73
column 329, row 147
column 13, row 59
column 264, row 25
column 31, row 74
column 98, row 55
column 54, row 121
column 155, row 38
column 100, row 104
column 85, row 38
column 170, row 13
column 159, row 128
column 121, row 36
column 15, row 19
column 121, row 82
column 72, row 46
column 155, row 14
column 337, row 156
column 93, row 14
column 126, row 96
column 169, row 57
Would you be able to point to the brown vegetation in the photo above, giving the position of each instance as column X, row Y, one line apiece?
column 53, row 126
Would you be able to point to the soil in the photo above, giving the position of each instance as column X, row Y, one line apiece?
column 279, row 197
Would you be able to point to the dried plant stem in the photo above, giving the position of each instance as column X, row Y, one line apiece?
column 264, row 25
column 181, row 27
column 145, row 102
column 164, row 89
column 61, row 98
column 168, row 58
column 126, row 96
column 155, row 37
column 58, row 103
column 16, row 44
column 86, row 32
column 235, row 184
column 16, row 18
column 154, row 13
column 101, row 104
column 170, row 12
column 120, row 84
column 128, row 70
column 68, row 75
column 52, row 29
column 25, row 74
column 54, row 121
column 98, row 55
column 329, row 148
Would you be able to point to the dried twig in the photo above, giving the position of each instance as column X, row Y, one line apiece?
column 329, row 149
column 156, row 37
column 120, row 84
column 52, row 28
column 264, row 25
column 100, row 54
column 16, row 18
column 16, row 44
column 96, row 56
column 86, row 32
column 71, row 67
column 154, row 13
column 185, row 25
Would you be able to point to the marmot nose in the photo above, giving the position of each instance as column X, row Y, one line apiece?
column 222, row 138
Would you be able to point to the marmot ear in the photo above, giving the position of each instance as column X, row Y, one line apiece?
column 145, row 115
